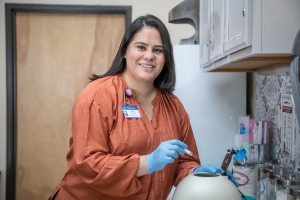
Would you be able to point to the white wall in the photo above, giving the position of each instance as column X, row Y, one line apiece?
column 159, row 8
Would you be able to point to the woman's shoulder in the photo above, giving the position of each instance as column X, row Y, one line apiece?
column 100, row 87
column 174, row 100
column 176, row 103
column 103, row 83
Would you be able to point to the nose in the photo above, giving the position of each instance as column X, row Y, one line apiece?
column 149, row 55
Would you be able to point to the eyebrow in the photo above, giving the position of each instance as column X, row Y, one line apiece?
column 147, row 44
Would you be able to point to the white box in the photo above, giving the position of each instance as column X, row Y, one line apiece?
column 253, row 152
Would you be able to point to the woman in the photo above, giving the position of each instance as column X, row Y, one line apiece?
column 129, row 131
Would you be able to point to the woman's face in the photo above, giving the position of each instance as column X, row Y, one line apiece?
column 145, row 58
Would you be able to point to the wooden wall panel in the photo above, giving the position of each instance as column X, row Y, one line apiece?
column 55, row 55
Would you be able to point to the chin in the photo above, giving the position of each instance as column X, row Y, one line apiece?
column 147, row 78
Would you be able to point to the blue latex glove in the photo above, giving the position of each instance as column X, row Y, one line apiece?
column 214, row 169
column 164, row 154
column 231, row 177
column 240, row 155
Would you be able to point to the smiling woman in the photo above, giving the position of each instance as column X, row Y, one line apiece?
column 144, row 57
column 144, row 62
column 131, row 144
column 159, row 41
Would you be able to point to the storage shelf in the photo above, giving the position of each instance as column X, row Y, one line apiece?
column 250, row 64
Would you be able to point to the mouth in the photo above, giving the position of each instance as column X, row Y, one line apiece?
column 147, row 66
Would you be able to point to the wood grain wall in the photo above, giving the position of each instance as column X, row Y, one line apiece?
column 56, row 53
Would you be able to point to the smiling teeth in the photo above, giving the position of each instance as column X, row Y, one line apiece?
column 146, row 66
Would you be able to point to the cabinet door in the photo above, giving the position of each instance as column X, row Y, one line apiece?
column 238, row 25
column 204, row 33
column 216, row 29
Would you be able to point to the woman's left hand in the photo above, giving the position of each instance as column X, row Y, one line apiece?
column 214, row 169
column 231, row 177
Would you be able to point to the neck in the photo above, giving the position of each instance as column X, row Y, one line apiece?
column 145, row 91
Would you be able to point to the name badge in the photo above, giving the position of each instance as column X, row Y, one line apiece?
column 131, row 111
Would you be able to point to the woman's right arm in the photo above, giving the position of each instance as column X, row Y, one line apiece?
column 143, row 166
column 92, row 121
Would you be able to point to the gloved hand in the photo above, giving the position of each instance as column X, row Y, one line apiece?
column 164, row 154
column 240, row 155
column 214, row 169
column 231, row 177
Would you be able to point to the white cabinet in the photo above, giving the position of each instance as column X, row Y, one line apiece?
column 211, row 31
column 238, row 23
column 216, row 29
column 247, row 35
column 204, row 33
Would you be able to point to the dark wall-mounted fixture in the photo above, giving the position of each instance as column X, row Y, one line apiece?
column 187, row 12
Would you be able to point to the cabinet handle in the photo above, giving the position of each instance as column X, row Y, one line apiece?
column 209, row 40
column 206, row 44
column 244, row 12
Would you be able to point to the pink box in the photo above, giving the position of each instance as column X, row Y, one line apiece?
column 252, row 127
column 255, row 132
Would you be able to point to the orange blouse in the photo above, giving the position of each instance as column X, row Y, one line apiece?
column 105, row 146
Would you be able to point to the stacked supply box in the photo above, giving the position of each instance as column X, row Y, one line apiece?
column 258, row 140
column 258, row 132
column 255, row 132
column 259, row 152
column 255, row 139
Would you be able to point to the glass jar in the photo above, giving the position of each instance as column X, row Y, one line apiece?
column 261, row 189
column 283, row 189
column 287, row 174
column 270, row 186
column 245, row 173
column 295, row 191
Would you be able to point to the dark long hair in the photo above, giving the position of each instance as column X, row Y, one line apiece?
column 165, row 81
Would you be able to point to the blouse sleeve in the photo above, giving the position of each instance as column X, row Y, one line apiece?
column 186, row 163
column 92, row 121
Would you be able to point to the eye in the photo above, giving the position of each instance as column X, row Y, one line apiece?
column 141, row 47
column 157, row 50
